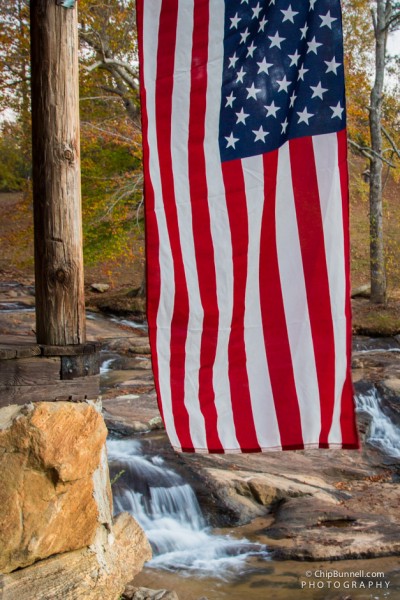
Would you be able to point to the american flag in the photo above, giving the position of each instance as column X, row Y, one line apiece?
column 246, row 198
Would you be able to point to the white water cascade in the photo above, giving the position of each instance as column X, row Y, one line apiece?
column 383, row 433
column 167, row 509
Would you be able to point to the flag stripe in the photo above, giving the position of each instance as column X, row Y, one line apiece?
column 180, row 315
column 294, row 294
column 153, row 280
column 220, row 231
column 312, row 244
column 167, row 287
column 273, row 315
column 347, row 417
column 327, row 168
column 262, row 401
column 180, row 169
column 239, row 383
column 201, row 223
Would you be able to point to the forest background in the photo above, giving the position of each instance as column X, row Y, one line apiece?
column 111, row 149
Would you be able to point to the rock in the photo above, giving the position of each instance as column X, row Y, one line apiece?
column 100, row 287
column 54, row 484
column 362, row 291
column 87, row 574
column 251, row 495
column 142, row 593
column 320, row 531
column 156, row 423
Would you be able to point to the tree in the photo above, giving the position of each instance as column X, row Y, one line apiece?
column 373, row 111
column 386, row 17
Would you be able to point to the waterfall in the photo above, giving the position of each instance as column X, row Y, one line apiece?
column 167, row 509
column 383, row 433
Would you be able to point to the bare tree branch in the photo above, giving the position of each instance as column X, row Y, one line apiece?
column 370, row 153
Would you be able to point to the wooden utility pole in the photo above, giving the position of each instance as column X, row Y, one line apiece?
column 60, row 306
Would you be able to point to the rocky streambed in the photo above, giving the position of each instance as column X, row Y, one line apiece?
column 301, row 513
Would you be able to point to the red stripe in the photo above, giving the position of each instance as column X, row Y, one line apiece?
column 311, row 234
column 347, row 415
column 276, row 336
column 201, row 223
column 153, row 273
column 238, row 378
column 180, row 317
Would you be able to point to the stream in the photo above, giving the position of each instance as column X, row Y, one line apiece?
column 201, row 563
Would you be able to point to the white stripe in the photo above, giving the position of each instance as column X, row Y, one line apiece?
column 262, row 401
column 179, row 152
column 295, row 302
column 151, row 15
column 327, row 163
column 220, row 229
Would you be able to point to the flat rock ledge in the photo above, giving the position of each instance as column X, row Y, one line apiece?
column 100, row 571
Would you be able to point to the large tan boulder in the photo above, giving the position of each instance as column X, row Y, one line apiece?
column 98, row 572
column 54, row 484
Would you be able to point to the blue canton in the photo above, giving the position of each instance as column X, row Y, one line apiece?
column 282, row 74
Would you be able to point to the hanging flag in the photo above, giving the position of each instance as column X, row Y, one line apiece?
column 246, row 198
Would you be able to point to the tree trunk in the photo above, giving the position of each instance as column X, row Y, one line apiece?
column 60, row 307
column 377, row 253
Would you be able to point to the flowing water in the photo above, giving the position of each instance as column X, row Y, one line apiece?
column 383, row 433
column 167, row 509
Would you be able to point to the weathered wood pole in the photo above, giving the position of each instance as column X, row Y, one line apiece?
column 60, row 306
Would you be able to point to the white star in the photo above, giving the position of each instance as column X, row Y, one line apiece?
column 312, row 2
column 231, row 141
column 263, row 66
column 250, row 50
column 276, row 40
column 304, row 116
column 260, row 134
column 239, row 75
column 232, row 61
column 327, row 19
column 252, row 92
column 256, row 11
column 262, row 23
column 292, row 99
column 304, row 31
column 284, row 125
column 288, row 14
column 283, row 84
column 271, row 2
column 229, row 100
column 318, row 91
column 272, row 109
column 302, row 72
column 337, row 111
column 235, row 21
column 332, row 66
column 313, row 45
column 241, row 117
column 294, row 58
column 244, row 36
column 244, row 1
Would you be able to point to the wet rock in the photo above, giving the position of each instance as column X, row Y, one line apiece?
column 54, row 485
